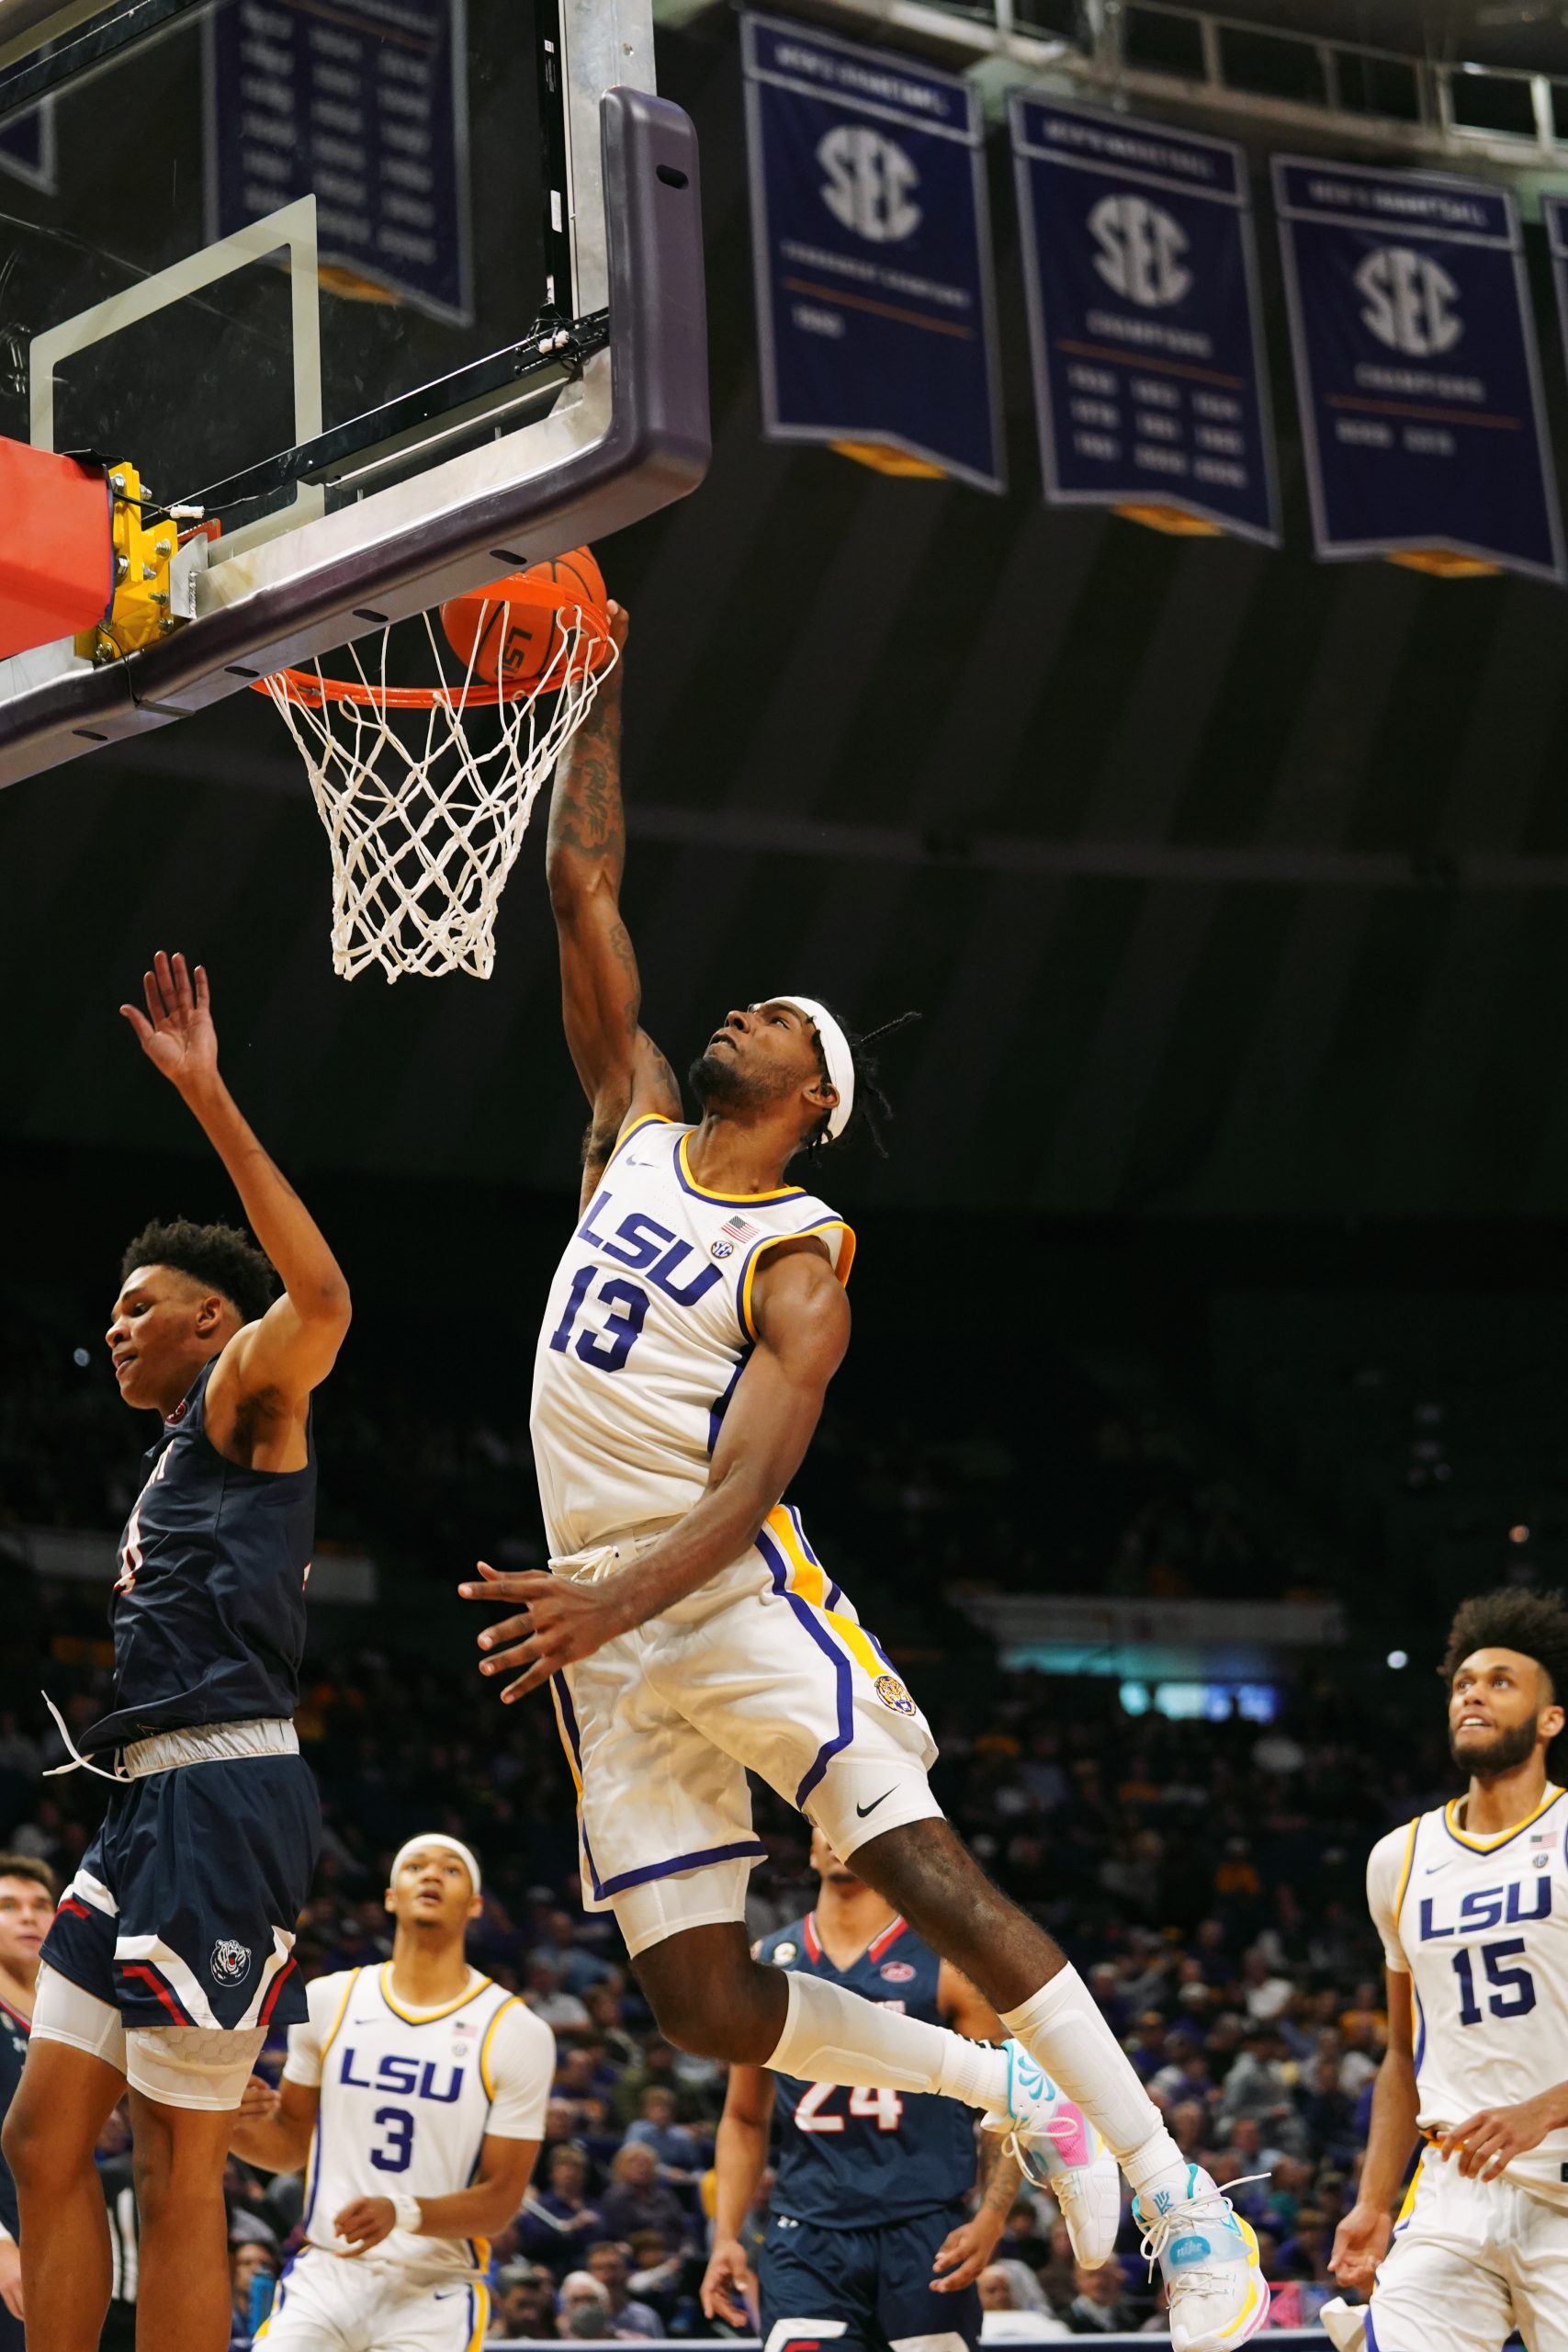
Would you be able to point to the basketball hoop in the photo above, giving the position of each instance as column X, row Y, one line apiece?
column 424, row 818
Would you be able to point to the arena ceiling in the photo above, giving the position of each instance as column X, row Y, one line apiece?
column 1227, row 882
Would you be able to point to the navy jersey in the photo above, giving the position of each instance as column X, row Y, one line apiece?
column 208, row 1607
column 845, row 2156
column 13, row 2052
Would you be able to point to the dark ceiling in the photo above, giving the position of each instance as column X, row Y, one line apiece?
column 1227, row 882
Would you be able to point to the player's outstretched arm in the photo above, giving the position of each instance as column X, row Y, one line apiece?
column 1362, row 2240
column 272, row 1364
column 965, row 2251
column 740, row 2156
column 273, row 2128
column 621, row 1068
column 802, row 1325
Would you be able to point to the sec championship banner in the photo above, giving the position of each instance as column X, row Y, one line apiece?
column 1416, row 366
column 1141, row 278
column 872, row 246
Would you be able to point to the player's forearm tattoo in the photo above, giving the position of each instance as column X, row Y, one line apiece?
column 997, row 2180
column 586, row 817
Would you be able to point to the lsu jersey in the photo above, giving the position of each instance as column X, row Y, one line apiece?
column 647, row 1329
column 408, row 2097
column 848, row 2157
column 1480, row 1926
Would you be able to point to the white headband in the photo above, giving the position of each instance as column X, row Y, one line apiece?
column 835, row 1053
column 435, row 1838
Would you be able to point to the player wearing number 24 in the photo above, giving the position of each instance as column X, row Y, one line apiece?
column 1471, row 1904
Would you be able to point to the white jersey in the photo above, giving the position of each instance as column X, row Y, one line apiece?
column 1480, row 1926
column 407, row 2098
column 648, row 1324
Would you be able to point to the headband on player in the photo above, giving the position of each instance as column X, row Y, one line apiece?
column 435, row 1838
column 835, row 1053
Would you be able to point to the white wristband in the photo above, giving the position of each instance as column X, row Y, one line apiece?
column 407, row 2210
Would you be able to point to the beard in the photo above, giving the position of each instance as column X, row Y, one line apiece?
column 1504, row 1752
column 719, row 1085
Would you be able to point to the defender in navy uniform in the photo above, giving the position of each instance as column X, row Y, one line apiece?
column 26, row 1904
column 869, row 2240
column 171, row 1952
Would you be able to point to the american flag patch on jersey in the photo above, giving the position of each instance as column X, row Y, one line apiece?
column 740, row 1229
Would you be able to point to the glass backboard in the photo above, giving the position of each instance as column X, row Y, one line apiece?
column 398, row 292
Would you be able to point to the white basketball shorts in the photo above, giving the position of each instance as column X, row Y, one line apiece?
column 1471, row 2261
column 766, row 1668
column 329, row 2302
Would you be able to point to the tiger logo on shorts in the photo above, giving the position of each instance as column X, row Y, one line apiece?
column 891, row 1693
column 231, row 1961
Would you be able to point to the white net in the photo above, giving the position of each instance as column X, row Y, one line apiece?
column 424, row 818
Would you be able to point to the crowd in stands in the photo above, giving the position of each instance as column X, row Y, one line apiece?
column 1207, row 1877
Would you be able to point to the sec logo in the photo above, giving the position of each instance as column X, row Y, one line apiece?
column 891, row 1693
column 783, row 1955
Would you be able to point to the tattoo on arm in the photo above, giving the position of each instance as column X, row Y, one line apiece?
column 587, row 821
column 997, row 2178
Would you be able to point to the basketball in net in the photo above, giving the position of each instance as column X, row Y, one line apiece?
column 425, row 791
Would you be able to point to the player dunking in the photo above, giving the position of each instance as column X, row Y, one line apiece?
column 171, row 1951
column 416, row 2092
column 689, row 1630
column 1471, row 1904
column 868, row 2242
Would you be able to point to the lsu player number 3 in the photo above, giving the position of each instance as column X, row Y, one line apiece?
column 1471, row 1904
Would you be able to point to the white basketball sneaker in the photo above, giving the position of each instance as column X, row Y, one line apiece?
column 1208, row 2256
column 1059, row 2148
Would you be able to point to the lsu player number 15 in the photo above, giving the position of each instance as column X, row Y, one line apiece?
column 1470, row 1901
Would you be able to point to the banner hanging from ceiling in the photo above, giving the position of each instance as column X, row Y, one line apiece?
column 1416, row 368
column 1554, row 220
column 1141, row 284
column 872, row 254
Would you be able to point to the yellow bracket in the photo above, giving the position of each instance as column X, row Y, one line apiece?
column 140, row 610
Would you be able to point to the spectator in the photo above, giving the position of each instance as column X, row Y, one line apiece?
column 524, row 2304
column 584, row 2307
column 1267, row 1996
column 637, row 2200
column 607, row 2262
column 655, row 2274
column 1100, row 2306
column 561, row 2010
column 557, row 2223
column 680, row 2158
column 249, row 2261
column 1328, row 2113
column 1003, row 2322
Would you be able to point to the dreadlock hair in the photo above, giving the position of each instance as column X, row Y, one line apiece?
column 1535, row 1624
column 872, row 1111
column 218, row 1255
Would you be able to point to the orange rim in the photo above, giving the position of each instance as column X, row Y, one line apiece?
column 304, row 686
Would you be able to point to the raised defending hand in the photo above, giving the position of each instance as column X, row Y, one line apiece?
column 175, row 1033
column 1360, row 2243
column 729, row 2286
column 560, row 1623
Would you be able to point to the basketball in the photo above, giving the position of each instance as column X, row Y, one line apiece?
column 516, row 631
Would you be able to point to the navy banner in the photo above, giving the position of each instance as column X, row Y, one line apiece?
column 368, row 107
column 1417, row 367
column 1554, row 220
column 873, row 252
column 1140, row 276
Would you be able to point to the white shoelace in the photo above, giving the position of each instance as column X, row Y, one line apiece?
column 1163, row 2226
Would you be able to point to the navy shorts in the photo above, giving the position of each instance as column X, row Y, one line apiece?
column 875, row 2282
column 183, row 1912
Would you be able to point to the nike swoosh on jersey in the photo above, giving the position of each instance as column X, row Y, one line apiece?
column 864, row 1809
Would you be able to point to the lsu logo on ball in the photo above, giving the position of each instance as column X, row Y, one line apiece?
column 891, row 1693
column 231, row 1961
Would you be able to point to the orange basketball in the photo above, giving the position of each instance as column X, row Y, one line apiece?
column 517, row 631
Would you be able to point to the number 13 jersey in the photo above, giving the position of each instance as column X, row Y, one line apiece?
column 649, row 1325
column 1480, row 1926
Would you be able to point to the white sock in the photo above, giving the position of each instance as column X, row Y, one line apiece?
column 1063, row 2030
column 833, row 2036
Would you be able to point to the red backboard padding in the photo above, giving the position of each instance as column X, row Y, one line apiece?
column 56, row 547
